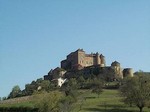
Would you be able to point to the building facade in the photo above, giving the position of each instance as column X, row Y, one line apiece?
column 79, row 59
column 79, row 63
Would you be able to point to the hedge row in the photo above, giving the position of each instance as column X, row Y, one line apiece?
column 18, row 109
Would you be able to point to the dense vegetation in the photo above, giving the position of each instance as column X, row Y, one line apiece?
column 80, row 94
column 38, row 85
column 108, row 101
column 136, row 90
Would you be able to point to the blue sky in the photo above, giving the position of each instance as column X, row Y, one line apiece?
column 35, row 35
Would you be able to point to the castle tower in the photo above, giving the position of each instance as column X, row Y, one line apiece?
column 117, row 69
column 98, row 61
column 128, row 72
column 80, row 57
column 103, row 62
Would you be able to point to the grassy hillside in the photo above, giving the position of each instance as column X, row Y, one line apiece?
column 109, row 101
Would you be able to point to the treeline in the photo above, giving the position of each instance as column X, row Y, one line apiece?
column 46, row 85
column 135, row 91
column 63, row 99
column 38, row 85
column 52, row 99
column 83, row 82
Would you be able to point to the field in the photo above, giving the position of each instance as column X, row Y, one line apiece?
column 108, row 101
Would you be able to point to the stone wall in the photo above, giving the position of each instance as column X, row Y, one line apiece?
column 80, row 58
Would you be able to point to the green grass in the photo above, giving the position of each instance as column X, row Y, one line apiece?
column 108, row 101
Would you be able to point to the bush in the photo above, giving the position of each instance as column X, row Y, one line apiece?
column 48, row 102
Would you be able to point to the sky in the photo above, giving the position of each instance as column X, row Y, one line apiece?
column 35, row 35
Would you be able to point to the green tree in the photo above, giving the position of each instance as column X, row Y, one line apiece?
column 45, row 84
column 81, row 82
column 97, row 86
column 15, row 92
column 48, row 102
column 70, row 89
column 66, row 104
column 136, row 90
column 38, row 81
column 29, row 89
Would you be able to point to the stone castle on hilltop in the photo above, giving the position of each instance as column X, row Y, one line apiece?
column 79, row 59
column 79, row 63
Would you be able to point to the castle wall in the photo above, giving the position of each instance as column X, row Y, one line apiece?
column 88, row 64
column 89, row 61
column 79, row 58
column 64, row 64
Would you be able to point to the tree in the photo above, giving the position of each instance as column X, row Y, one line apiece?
column 66, row 104
column 15, row 92
column 45, row 84
column 29, row 89
column 70, row 88
column 38, row 81
column 136, row 90
column 97, row 86
column 81, row 82
column 48, row 102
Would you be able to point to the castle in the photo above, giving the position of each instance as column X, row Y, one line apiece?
column 79, row 59
column 78, row 62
